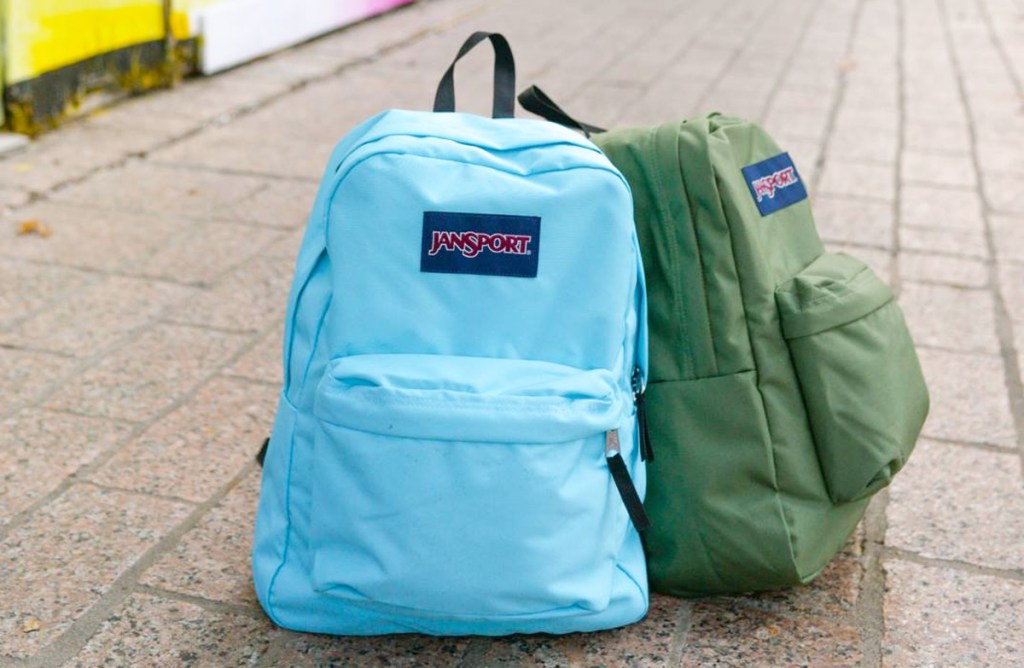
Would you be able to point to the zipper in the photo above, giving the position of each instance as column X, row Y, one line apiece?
column 646, row 451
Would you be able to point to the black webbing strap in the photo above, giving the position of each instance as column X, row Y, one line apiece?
column 634, row 506
column 537, row 102
column 504, row 77
column 624, row 483
column 262, row 454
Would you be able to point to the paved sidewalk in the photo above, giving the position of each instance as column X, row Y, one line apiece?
column 139, row 341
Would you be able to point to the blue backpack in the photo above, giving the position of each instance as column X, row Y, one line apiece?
column 456, row 448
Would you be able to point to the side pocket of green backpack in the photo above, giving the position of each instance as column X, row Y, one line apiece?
column 859, row 375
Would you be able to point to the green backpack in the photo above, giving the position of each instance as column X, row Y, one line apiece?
column 784, row 390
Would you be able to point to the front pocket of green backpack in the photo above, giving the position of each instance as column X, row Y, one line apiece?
column 858, row 372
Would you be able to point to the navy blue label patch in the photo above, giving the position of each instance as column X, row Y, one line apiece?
column 480, row 243
column 774, row 183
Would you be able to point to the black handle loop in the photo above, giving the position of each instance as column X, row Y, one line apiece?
column 504, row 77
column 537, row 102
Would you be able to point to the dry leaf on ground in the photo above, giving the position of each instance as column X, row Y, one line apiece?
column 34, row 226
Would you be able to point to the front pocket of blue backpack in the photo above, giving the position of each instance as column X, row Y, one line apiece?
column 466, row 487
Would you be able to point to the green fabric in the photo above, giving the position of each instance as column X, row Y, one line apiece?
column 784, row 389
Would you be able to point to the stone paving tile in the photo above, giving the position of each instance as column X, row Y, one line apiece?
column 288, row 67
column 140, row 114
column 263, row 362
column 966, row 243
column 799, row 98
column 1004, row 192
column 797, row 124
column 212, row 560
column 249, row 299
column 954, row 271
column 873, row 115
column 147, row 375
column 200, row 446
column 928, row 111
column 201, row 100
column 97, row 316
column 947, row 617
column 27, row 286
column 41, row 449
column 153, row 631
column 941, row 506
column 725, row 634
column 941, row 169
column 278, row 204
column 202, row 253
column 937, row 135
column 353, row 97
column 59, row 564
column 25, row 374
column 857, row 179
column 229, row 147
column 71, row 154
column 1008, row 235
column 90, row 238
column 411, row 651
column 854, row 221
column 647, row 643
column 933, row 207
column 863, row 144
column 997, row 155
column 968, row 398
column 287, row 247
column 12, row 198
column 163, row 189
column 950, row 317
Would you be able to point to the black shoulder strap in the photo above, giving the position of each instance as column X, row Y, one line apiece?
column 504, row 76
column 537, row 102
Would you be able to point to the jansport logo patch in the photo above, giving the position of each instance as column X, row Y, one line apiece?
column 774, row 183
column 480, row 243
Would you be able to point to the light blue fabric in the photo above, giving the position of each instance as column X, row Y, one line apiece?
column 437, row 463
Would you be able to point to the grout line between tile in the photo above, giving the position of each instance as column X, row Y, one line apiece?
column 81, row 631
column 228, row 171
column 1004, row 320
column 135, row 491
column 731, row 61
column 139, row 428
column 207, row 604
column 954, row 564
column 868, row 611
column 797, row 44
column 684, row 622
column 975, row 445
column 955, row 351
column 937, row 283
column 250, row 380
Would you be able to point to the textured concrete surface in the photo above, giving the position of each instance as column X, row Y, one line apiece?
column 140, row 339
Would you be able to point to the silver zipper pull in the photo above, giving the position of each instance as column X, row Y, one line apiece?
column 611, row 443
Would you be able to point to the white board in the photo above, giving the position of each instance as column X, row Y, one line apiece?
column 232, row 32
